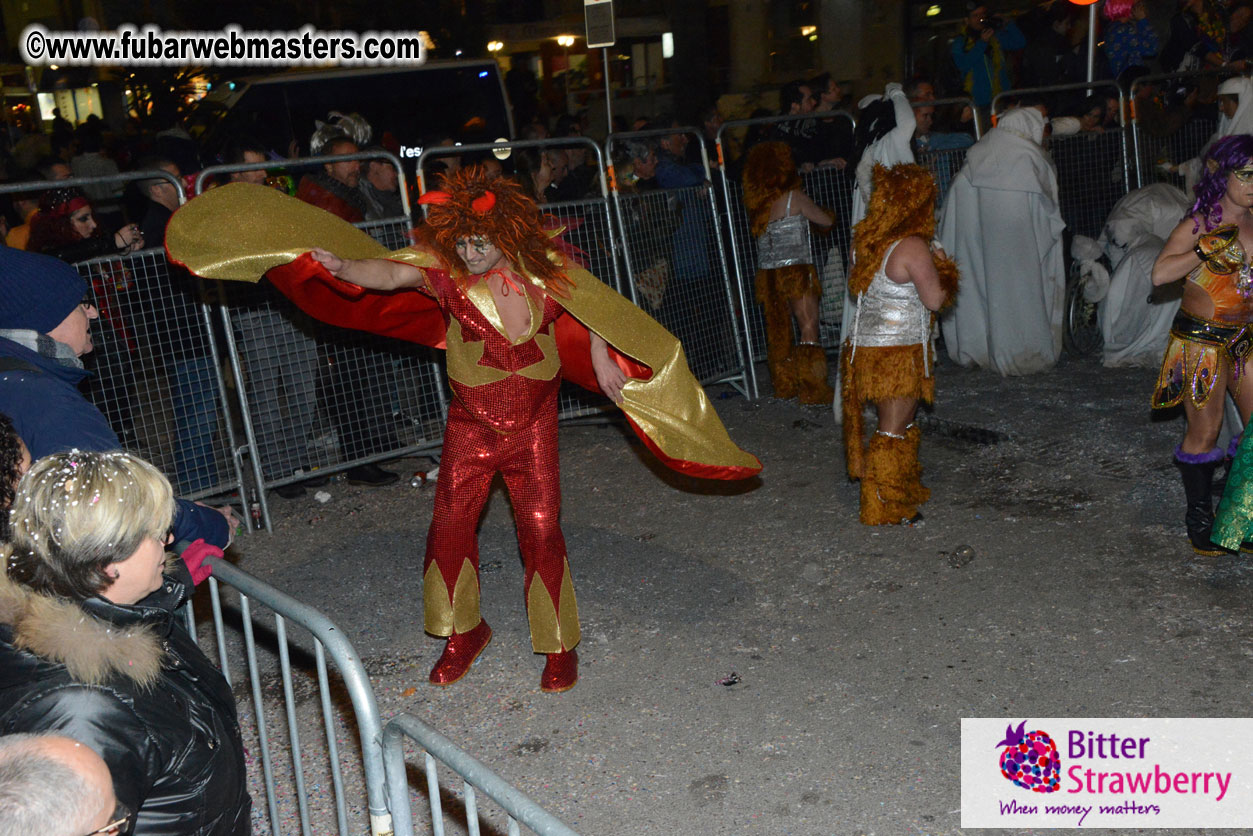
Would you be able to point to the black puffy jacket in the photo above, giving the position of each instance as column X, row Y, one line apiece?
column 129, row 682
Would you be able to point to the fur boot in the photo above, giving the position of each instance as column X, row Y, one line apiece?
column 851, row 405
column 811, row 367
column 889, row 481
column 1197, row 471
column 778, row 316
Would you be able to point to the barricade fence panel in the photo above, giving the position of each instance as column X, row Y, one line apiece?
column 515, row 807
column 1173, row 119
column 677, row 264
column 156, row 376
column 587, row 228
column 1090, row 177
column 311, row 730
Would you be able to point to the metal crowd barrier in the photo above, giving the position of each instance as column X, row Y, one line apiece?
column 158, row 377
column 1152, row 113
column 309, row 763
column 829, row 187
column 676, row 263
column 315, row 398
column 276, row 670
column 1093, row 168
column 475, row 778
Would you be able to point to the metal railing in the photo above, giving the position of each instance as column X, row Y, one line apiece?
column 315, row 398
column 328, row 642
column 249, row 628
column 476, row 777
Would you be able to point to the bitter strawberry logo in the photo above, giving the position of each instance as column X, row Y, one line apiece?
column 1030, row 759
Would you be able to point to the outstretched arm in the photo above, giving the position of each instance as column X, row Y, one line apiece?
column 374, row 273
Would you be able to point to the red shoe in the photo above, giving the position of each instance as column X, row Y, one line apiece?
column 459, row 654
column 561, row 672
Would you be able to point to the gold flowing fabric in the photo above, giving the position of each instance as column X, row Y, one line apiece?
column 239, row 231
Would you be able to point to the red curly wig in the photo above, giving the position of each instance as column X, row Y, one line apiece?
column 474, row 202
column 902, row 203
column 769, row 174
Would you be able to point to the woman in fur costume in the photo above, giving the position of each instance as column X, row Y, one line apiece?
column 899, row 279
column 787, row 283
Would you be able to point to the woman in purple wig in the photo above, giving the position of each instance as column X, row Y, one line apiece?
column 1211, row 338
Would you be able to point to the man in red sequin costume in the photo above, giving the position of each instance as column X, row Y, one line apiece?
column 505, row 372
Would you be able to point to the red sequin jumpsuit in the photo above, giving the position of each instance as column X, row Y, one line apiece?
column 503, row 419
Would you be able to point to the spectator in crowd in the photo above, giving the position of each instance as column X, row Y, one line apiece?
column 1240, row 33
column 534, row 172
column 162, row 198
column 62, row 130
column 55, row 786
column 65, row 226
column 52, row 168
column 577, row 182
column 756, row 133
column 1092, row 114
column 45, row 321
column 189, row 363
column 1198, row 37
column 1002, row 224
column 559, row 169
column 25, row 205
column 175, row 144
column 899, row 279
column 981, row 53
column 787, row 286
column 1053, row 56
column 14, row 461
column 1129, row 39
column 796, row 98
column 334, row 189
column 272, row 336
column 92, row 161
column 833, row 136
column 645, row 218
column 711, row 122
column 362, row 379
column 380, row 183
column 692, row 293
column 93, row 647
column 1207, row 356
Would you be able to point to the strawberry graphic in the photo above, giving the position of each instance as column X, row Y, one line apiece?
column 1030, row 759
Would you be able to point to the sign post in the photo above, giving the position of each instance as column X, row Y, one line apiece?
column 598, row 14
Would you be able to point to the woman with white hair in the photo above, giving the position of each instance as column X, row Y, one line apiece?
column 90, row 646
column 1002, row 224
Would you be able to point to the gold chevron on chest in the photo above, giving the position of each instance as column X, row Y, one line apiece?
column 465, row 360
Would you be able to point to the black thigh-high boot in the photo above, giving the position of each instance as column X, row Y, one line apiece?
column 1197, row 470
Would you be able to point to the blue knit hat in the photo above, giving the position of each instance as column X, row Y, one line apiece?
column 37, row 292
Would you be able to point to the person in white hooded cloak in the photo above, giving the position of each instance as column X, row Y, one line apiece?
column 1002, row 224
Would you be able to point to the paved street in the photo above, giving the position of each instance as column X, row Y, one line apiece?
column 754, row 661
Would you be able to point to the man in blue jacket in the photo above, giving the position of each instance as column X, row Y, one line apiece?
column 45, row 328
column 981, row 53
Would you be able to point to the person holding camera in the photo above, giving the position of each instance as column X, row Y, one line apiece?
column 980, row 53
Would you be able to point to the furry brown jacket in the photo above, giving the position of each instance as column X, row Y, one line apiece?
column 129, row 682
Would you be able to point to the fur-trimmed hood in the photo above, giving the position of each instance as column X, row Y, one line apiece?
column 92, row 649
